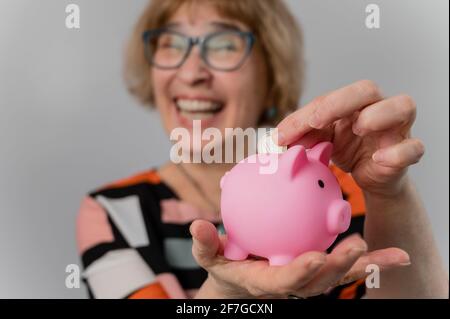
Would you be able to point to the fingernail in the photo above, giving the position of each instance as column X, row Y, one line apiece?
column 314, row 121
column 357, row 130
column 278, row 137
column 405, row 264
column 378, row 157
column 275, row 136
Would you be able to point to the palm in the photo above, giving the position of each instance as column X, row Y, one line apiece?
column 309, row 274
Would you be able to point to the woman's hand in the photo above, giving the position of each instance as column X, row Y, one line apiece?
column 310, row 274
column 371, row 134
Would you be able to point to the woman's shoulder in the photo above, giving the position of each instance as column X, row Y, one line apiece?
column 145, row 183
column 115, row 225
column 134, row 195
column 122, row 211
column 147, row 177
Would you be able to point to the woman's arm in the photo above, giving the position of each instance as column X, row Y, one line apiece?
column 401, row 221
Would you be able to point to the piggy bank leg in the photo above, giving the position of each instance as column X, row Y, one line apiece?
column 280, row 260
column 234, row 252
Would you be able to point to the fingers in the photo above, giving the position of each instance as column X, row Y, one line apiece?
column 400, row 155
column 343, row 102
column 315, row 136
column 383, row 258
column 397, row 111
column 260, row 279
column 294, row 126
column 326, row 109
column 206, row 243
column 283, row 280
column 339, row 262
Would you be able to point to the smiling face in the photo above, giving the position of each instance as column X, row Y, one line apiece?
column 194, row 91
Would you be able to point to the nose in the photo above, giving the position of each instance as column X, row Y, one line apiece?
column 338, row 217
column 194, row 71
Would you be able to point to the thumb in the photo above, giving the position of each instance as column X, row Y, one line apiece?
column 206, row 242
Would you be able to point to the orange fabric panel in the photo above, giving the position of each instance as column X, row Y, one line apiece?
column 151, row 177
column 354, row 194
column 350, row 291
column 152, row 291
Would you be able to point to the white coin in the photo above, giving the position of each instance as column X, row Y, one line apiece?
column 266, row 144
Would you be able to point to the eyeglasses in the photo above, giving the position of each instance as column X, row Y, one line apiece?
column 223, row 51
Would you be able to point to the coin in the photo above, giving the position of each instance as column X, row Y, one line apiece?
column 266, row 144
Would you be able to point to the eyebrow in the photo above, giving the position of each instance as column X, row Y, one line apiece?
column 226, row 26
column 218, row 24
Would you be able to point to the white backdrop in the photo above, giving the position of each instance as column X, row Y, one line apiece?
column 67, row 124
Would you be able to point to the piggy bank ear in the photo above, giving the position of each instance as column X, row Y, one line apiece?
column 321, row 152
column 293, row 159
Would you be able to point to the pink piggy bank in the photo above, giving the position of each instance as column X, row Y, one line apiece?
column 279, row 216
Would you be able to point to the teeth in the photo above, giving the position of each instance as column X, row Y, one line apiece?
column 197, row 105
column 196, row 115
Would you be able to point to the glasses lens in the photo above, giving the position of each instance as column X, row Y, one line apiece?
column 167, row 49
column 226, row 50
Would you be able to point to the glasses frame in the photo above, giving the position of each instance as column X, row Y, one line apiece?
column 249, row 38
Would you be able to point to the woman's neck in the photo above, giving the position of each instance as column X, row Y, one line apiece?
column 207, row 173
column 198, row 183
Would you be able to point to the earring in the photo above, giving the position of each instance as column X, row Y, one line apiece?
column 271, row 112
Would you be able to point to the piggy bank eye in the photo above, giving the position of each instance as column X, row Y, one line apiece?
column 321, row 183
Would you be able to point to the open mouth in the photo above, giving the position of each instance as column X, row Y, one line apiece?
column 197, row 109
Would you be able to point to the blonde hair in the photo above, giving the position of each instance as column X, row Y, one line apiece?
column 277, row 33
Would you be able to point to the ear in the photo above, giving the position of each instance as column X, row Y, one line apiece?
column 293, row 159
column 321, row 152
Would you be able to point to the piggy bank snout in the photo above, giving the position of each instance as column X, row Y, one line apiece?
column 339, row 216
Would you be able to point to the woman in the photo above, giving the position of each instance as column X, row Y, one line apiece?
column 237, row 64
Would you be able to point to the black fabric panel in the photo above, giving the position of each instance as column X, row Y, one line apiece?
column 190, row 278
column 356, row 226
column 154, row 258
column 360, row 291
column 96, row 252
